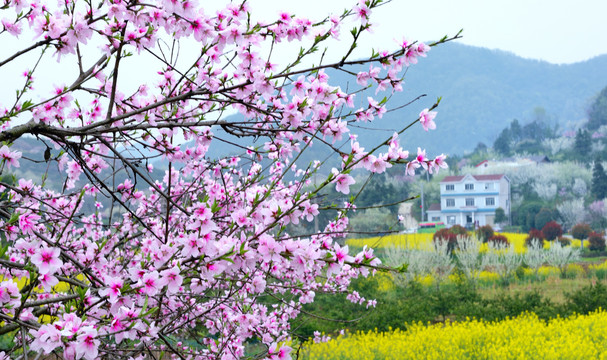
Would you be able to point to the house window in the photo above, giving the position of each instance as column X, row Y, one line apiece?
column 450, row 202
column 470, row 202
column 450, row 187
column 436, row 218
column 469, row 186
column 490, row 201
column 488, row 186
column 451, row 220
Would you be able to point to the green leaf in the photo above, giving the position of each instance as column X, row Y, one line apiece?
column 125, row 287
column 145, row 305
column 3, row 250
column 226, row 257
column 26, row 105
column 103, row 243
column 14, row 218
column 81, row 292
column 403, row 268
column 68, row 306
column 33, row 276
column 349, row 160
column 215, row 207
column 149, row 312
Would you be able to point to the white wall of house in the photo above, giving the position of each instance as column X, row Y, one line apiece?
column 469, row 201
column 436, row 216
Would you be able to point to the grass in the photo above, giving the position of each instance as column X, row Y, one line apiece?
column 597, row 259
column 552, row 287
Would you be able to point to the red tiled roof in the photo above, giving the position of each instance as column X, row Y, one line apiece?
column 488, row 177
column 452, row 178
column 477, row 177
column 434, row 207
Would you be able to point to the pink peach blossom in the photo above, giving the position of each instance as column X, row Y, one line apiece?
column 426, row 117
column 9, row 158
column 47, row 260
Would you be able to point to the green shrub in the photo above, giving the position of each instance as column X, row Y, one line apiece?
column 500, row 216
column 511, row 305
column 544, row 217
column 7, row 341
column 586, row 300
column 520, row 272
column 512, row 229
column 600, row 274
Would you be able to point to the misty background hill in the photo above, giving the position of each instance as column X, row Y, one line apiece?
column 482, row 90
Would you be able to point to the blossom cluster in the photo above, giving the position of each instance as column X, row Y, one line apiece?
column 127, row 257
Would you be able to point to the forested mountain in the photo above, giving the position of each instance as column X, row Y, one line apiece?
column 482, row 90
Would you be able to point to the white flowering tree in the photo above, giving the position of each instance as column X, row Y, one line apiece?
column 502, row 259
column 414, row 264
column 561, row 256
column 535, row 256
column 469, row 257
column 572, row 212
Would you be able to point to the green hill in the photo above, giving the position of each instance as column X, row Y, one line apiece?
column 482, row 90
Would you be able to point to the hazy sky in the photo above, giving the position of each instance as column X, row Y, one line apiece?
column 557, row 31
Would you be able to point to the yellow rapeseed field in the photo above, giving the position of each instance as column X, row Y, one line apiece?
column 61, row 287
column 524, row 338
column 601, row 266
column 409, row 241
column 423, row 241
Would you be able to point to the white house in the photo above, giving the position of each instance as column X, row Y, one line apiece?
column 471, row 200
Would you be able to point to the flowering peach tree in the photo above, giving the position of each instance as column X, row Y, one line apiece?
column 199, row 256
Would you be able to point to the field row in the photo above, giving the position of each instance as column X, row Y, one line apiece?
column 524, row 337
column 423, row 241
